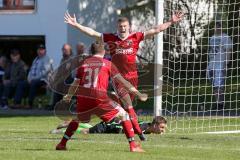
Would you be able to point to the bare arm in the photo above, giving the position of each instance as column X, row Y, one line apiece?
column 131, row 88
column 72, row 90
column 86, row 30
column 159, row 28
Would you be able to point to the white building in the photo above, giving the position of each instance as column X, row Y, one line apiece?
column 32, row 22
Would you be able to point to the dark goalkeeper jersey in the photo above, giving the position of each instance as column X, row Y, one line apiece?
column 114, row 127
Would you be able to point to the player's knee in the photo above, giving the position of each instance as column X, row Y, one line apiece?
column 123, row 115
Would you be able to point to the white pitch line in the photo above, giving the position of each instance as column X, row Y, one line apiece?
column 223, row 132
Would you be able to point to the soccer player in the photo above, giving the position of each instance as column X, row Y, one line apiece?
column 157, row 126
column 220, row 49
column 91, row 85
column 123, row 46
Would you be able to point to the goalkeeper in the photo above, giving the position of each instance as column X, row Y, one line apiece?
column 219, row 55
column 157, row 126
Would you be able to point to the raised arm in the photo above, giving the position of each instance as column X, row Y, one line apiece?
column 131, row 88
column 86, row 30
column 159, row 28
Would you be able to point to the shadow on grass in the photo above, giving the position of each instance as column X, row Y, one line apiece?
column 186, row 138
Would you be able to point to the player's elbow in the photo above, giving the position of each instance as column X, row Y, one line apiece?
column 91, row 34
column 122, row 114
column 95, row 34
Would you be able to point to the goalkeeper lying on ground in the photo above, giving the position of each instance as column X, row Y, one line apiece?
column 157, row 126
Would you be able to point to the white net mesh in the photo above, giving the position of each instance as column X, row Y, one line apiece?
column 201, row 63
column 192, row 101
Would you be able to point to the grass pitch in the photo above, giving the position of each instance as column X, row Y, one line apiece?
column 27, row 138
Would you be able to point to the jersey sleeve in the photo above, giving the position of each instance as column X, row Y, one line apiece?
column 106, row 37
column 140, row 36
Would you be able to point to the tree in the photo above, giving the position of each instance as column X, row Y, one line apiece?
column 141, row 15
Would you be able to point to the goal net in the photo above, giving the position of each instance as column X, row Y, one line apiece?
column 201, row 57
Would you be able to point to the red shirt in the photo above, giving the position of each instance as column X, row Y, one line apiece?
column 94, row 73
column 124, row 52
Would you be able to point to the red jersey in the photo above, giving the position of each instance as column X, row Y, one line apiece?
column 92, row 99
column 124, row 52
column 94, row 73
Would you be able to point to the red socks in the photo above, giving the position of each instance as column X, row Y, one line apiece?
column 134, row 120
column 72, row 127
column 129, row 132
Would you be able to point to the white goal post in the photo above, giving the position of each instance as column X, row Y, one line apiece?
column 158, row 60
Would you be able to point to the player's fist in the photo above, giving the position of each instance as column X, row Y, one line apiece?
column 67, row 98
column 143, row 97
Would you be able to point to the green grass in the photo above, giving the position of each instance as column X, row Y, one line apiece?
column 27, row 138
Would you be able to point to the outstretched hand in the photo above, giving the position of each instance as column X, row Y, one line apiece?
column 69, row 19
column 177, row 16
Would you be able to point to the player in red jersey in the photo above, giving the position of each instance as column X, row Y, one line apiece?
column 124, row 46
column 91, row 85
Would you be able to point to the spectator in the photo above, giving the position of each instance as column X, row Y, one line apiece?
column 39, row 71
column 64, row 64
column 7, row 3
column 3, row 63
column 220, row 48
column 3, row 66
column 57, row 81
column 13, row 81
column 80, row 48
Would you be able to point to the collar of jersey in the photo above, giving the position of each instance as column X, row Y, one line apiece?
column 123, row 38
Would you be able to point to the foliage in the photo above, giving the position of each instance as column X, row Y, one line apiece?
column 187, row 40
